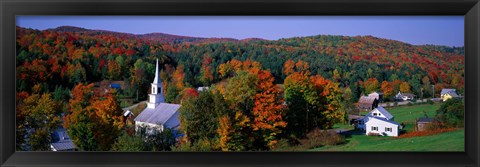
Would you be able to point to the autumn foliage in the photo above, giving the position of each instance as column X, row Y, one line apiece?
column 97, row 117
column 426, row 132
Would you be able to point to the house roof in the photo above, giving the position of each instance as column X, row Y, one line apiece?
column 126, row 113
column 444, row 91
column 61, row 140
column 366, row 100
column 385, row 120
column 424, row 120
column 202, row 88
column 453, row 94
column 379, row 93
column 117, row 86
column 382, row 111
column 158, row 115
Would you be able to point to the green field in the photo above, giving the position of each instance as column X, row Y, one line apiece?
column 449, row 141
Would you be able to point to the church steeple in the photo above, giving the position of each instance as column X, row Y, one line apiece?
column 156, row 96
column 156, row 80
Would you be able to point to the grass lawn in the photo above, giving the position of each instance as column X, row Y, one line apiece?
column 449, row 141
column 408, row 114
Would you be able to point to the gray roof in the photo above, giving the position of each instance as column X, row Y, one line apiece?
column 385, row 120
column 366, row 100
column 444, row 91
column 453, row 94
column 158, row 115
column 424, row 120
column 63, row 141
column 383, row 111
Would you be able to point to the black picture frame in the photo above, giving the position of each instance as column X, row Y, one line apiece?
column 11, row 8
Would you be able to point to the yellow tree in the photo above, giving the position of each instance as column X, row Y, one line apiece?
column 41, row 116
column 405, row 87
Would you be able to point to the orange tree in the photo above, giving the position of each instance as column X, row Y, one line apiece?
column 94, row 121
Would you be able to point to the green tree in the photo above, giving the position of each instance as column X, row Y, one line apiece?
column 126, row 142
column 451, row 113
column 199, row 115
column 41, row 117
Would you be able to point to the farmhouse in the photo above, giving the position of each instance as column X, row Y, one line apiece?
column 377, row 95
column 378, row 122
column 158, row 115
column 448, row 94
column 367, row 103
column 404, row 96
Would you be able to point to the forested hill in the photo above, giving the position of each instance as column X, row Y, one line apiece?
column 68, row 55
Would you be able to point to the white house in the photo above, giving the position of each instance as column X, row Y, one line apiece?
column 381, row 126
column 379, row 122
column 158, row 115
column 404, row 96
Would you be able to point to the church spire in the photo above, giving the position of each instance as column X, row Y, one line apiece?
column 156, row 95
column 156, row 80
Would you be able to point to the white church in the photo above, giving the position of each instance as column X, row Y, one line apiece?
column 158, row 115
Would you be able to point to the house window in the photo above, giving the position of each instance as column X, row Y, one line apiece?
column 375, row 114
column 153, row 90
column 388, row 129
column 374, row 128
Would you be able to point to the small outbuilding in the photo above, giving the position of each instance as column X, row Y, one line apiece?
column 424, row 123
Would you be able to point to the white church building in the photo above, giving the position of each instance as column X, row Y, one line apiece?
column 158, row 115
column 378, row 122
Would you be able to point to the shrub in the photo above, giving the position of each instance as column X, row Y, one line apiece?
column 426, row 132
column 317, row 138
column 374, row 134
column 430, row 102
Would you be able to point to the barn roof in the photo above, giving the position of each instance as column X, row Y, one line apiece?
column 444, row 91
column 366, row 100
column 158, row 115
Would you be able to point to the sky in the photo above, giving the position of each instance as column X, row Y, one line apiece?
column 417, row 30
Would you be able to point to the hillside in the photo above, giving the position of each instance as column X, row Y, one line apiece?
column 70, row 54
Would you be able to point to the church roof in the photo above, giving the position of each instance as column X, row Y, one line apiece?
column 158, row 115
